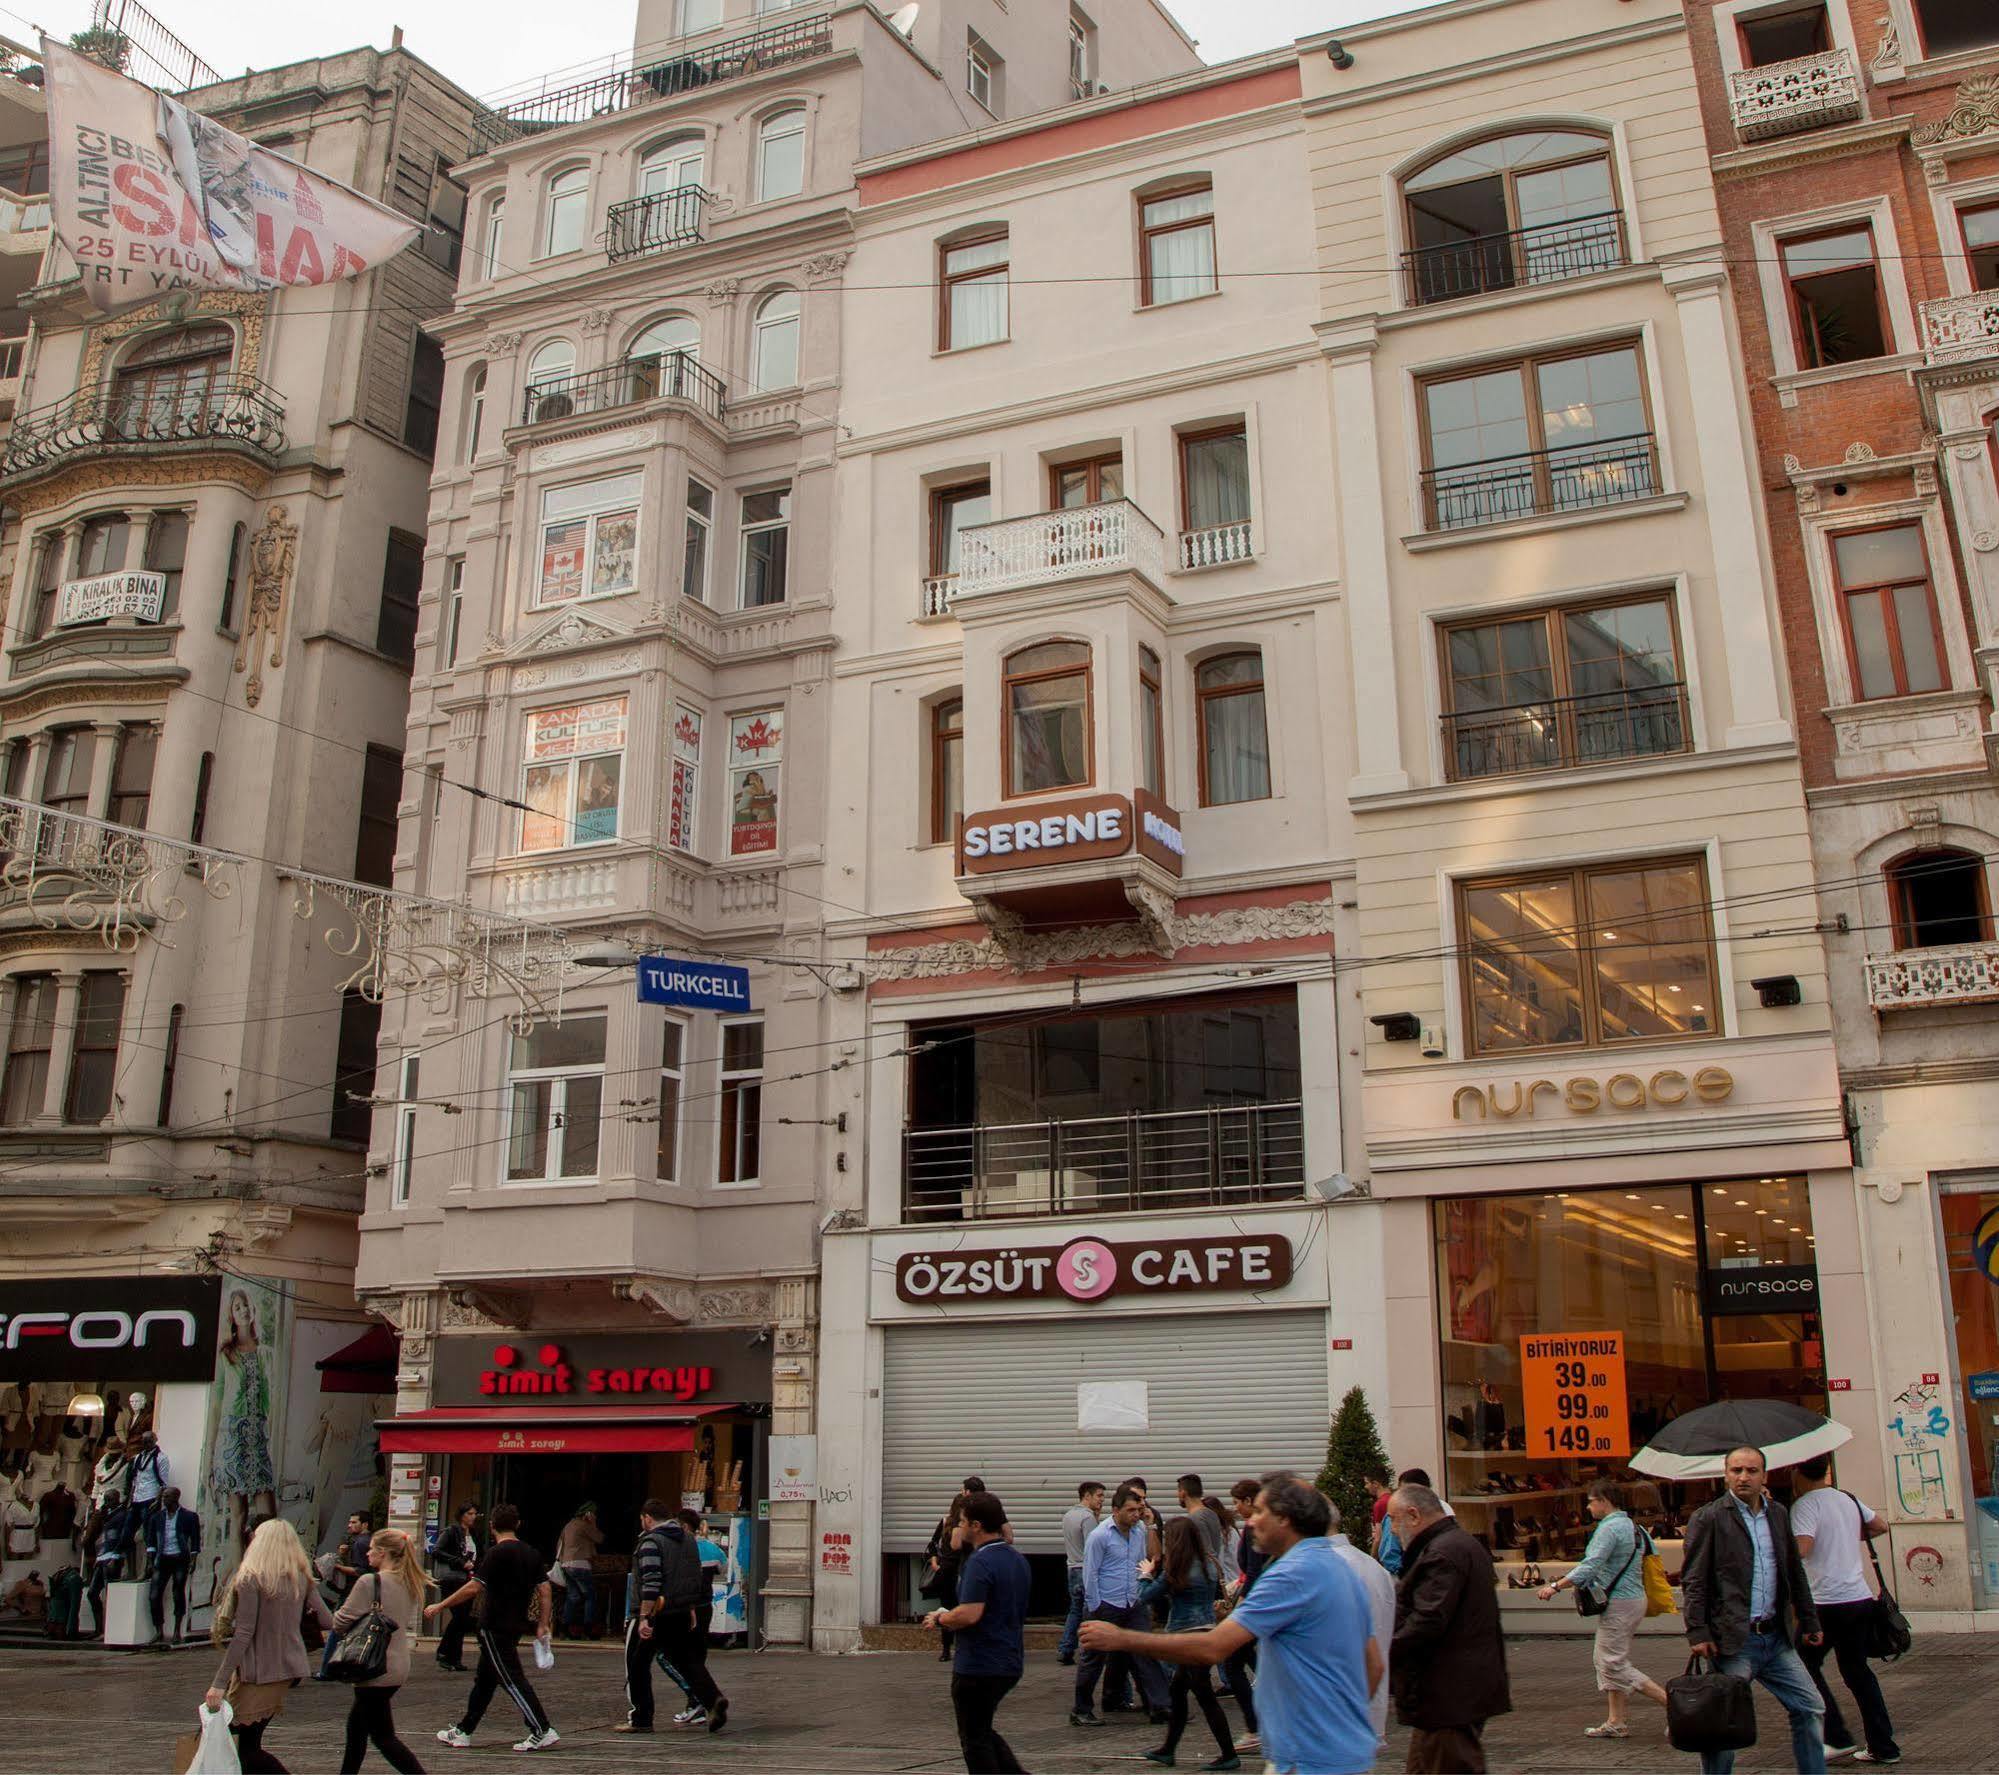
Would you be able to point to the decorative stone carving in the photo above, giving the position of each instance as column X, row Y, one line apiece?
column 82, row 693
column 1858, row 453
column 724, row 1305
column 138, row 471
column 469, row 1308
column 723, row 289
column 672, row 1300
column 263, row 1224
column 273, row 556
column 1791, row 464
column 1808, row 499
column 1925, row 823
column 503, row 344
column 1924, row 476
column 571, row 631
column 1976, row 113
column 796, row 1340
column 824, row 265
column 1887, row 62
column 1985, row 541
column 245, row 308
column 595, row 320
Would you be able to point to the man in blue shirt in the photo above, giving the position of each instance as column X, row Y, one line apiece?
column 1317, row 1659
column 1116, row 1563
column 990, row 1625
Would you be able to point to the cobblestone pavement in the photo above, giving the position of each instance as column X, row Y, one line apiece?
column 84, row 1712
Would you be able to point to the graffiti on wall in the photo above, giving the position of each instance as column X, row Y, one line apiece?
column 1918, row 1435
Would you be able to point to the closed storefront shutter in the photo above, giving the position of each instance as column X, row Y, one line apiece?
column 1228, row 1395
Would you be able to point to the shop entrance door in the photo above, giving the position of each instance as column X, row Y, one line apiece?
column 1971, row 1260
column 547, row 1490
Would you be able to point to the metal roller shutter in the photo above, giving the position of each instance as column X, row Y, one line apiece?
column 1229, row 1395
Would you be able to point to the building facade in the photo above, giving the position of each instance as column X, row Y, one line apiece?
column 626, row 639
column 215, row 509
column 1855, row 153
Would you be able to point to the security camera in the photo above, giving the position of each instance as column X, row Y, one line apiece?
column 1433, row 1042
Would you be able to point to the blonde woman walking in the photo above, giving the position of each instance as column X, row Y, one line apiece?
column 1613, row 1564
column 396, row 1585
column 264, row 1657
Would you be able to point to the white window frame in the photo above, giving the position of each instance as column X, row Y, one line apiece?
column 454, row 613
column 1770, row 234
column 762, row 527
column 568, row 838
column 491, row 233
column 1947, row 202
column 590, row 515
column 792, row 120
column 1729, row 15
column 403, row 1161
column 763, row 326
column 979, row 74
column 551, row 197
column 1082, row 77
column 678, row 1076
column 705, row 524
column 699, row 15
column 558, row 1116
column 732, row 1083
column 475, row 417
column 676, row 155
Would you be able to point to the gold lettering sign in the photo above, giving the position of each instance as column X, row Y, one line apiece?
column 1666, row 1089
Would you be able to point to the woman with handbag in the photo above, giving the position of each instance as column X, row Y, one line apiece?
column 394, row 1590
column 260, row 1626
column 1188, row 1582
column 1609, row 1584
column 940, row 1580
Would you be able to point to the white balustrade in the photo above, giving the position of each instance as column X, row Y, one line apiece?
column 1782, row 97
column 1217, row 545
column 1069, row 544
column 1912, row 979
column 580, row 886
column 1959, row 328
column 938, row 589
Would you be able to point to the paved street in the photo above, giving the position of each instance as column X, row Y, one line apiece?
column 83, row 1712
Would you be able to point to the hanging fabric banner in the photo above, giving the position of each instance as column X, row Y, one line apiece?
column 149, row 196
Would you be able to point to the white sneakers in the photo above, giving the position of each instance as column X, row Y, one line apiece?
column 544, row 1740
column 456, row 1739
column 691, row 1716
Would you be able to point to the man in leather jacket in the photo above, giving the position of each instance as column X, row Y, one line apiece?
column 455, row 1559
column 1741, row 1585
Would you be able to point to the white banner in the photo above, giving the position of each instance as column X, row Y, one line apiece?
column 112, row 594
column 149, row 196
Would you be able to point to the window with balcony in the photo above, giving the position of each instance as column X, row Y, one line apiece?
column 1046, row 697
column 1092, row 480
column 695, row 543
column 555, row 1086
column 1784, row 34
column 132, row 774
column 1532, row 207
column 572, row 774
column 953, row 511
column 947, row 768
column 204, row 779
column 1181, row 1103
column 24, row 170
column 566, row 213
column 672, row 166
column 169, row 382
column 491, row 237
column 1235, row 737
column 375, row 825
column 1588, row 957
column 1888, row 611
column 551, row 372
column 1948, row 26
column 1980, row 223
column 1835, row 286
column 402, row 1162
column 699, row 15
column 1549, row 689
column 1541, row 436
column 672, row 1082
column 402, row 587
column 1151, row 725
column 741, row 1156
column 1176, row 243
column 425, row 405
column 93, row 1055
column 45, row 587
column 662, row 358
column 1214, row 496
column 774, row 342
column 66, row 770
column 589, row 540
column 1939, row 899
column 766, row 547
column 670, row 202
column 30, row 1043
column 972, row 287
column 781, row 155
column 354, row 1068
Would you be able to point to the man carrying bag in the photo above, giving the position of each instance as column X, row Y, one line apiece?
column 1742, row 1583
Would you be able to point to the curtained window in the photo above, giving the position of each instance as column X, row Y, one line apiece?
column 1214, row 472
column 1235, row 741
column 1177, row 244
column 973, row 279
column 1047, row 701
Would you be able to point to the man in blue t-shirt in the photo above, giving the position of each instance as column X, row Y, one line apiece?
column 1317, row 1660
column 990, row 1623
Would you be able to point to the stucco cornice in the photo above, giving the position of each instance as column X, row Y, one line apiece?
column 1865, row 791
column 1576, row 782
column 1831, row 144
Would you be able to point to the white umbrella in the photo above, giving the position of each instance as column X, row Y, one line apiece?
column 1696, row 1444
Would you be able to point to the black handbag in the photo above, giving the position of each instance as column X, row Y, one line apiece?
column 1592, row 1601
column 1709, row 1710
column 362, row 1655
column 1889, row 1635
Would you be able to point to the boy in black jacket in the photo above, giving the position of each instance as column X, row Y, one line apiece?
column 668, row 1587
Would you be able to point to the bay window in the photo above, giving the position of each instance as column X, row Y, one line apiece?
column 1046, row 696
column 132, row 774
column 30, row 1042
column 1151, row 726
column 672, row 1075
column 774, row 342
column 694, row 548
column 572, row 775
column 555, row 1088
column 766, row 547
column 756, row 782
column 589, row 540
column 93, row 1058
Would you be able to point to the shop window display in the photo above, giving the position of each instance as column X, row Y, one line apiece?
column 1643, row 1263
column 1971, row 1259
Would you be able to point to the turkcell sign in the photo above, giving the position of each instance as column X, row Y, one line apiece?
column 693, row 985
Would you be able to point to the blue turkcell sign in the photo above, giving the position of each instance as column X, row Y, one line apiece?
column 693, row 985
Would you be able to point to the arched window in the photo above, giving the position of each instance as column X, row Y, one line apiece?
column 1235, row 738
column 166, row 386
column 1939, row 898
column 568, row 216
column 475, row 410
column 1532, row 207
column 1046, row 697
column 781, row 155
column 490, row 237
column 668, row 207
column 662, row 355
column 774, row 342
column 550, row 371
column 672, row 165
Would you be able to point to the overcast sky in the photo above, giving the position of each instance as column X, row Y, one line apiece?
column 492, row 45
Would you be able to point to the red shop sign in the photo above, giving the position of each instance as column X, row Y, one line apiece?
column 555, row 1377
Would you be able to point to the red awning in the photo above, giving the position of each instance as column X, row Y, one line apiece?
column 542, row 1430
column 367, row 1365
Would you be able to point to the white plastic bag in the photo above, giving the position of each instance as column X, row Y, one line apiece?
column 216, row 1754
column 544, row 1654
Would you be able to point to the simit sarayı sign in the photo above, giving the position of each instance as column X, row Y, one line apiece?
column 1093, row 1269
column 516, row 1374
column 601, row 1369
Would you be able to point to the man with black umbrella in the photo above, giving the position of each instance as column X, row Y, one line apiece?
column 1742, row 1583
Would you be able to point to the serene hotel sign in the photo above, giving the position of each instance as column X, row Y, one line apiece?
column 112, row 594
column 1082, row 829
column 1669, row 1088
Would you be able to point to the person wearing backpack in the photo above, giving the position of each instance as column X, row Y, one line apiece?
column 395, row 1584
column 1831, row 1526
column 1613, row 1567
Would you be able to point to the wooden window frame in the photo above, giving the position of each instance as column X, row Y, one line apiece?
column 1842, row 593
column 131, row 734
column 940, row 502
column 1977, row 207
column 1009, row 678
column 19, row 1051
column 942, row 731
column 1152, row 733
column 45, row 583
column 1179, row 188
column 1923, row 33
column 1561, row 675
column 87, row 1039
column 1508, row 178
column 1094, row 466
column 1903, row 915
column 1203, row 697
column 1235, row 428
column 73, row 804
column 170, row 1063
column 1799, row 338
column 1578, row 876
column 734, row 1084
column 947, row 280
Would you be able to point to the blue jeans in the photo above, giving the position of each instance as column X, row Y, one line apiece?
column 1067, row 1649
column 579, row 1597
column 1768, row 1658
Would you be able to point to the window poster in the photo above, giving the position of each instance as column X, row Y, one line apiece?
column 756, row 754
column 615, row 564
column 563, row 547
column 577, row 728
column 685, row 790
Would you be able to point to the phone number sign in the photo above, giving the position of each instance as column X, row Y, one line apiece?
column 1575, row 1403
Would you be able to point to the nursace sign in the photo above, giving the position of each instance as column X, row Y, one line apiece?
column 693, row 985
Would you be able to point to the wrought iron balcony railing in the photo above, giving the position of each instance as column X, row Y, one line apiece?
column 1637, row 721
column 1550, row 253
column 674, row 374
column 239, row 414
column 1808, row 92
column 1577, row 477
column 656, row 223
column 1918, row 979
column 697, row 65
column 1066, row 544
column 1957, row 329
column 1195, row 1158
